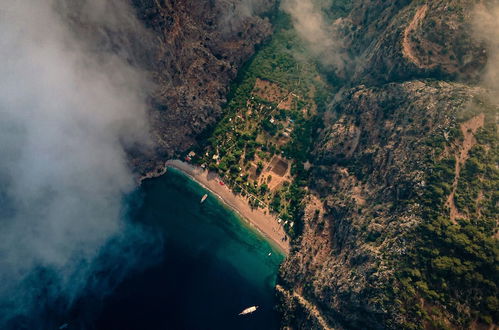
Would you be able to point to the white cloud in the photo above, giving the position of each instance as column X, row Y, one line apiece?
column 66, row 115
column 486, row 29
column 320, row 36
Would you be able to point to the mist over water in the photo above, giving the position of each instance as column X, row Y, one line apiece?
column 213, row 266
column 72, row 101
column 67, row 113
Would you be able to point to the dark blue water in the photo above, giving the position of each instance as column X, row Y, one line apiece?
column 212, row 267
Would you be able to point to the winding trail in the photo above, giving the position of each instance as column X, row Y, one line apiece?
column 469, row 129
column 407, row 45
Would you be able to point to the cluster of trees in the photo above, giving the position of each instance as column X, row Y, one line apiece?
column 239, row 139
column 456, row 262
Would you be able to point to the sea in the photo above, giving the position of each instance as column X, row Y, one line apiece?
column 212, row 266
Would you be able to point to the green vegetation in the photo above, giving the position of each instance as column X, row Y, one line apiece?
column 456, row 263
column 261, row 145
column 449, row 268
column 338, row 8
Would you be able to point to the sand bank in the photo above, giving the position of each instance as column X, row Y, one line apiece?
column 265, row 223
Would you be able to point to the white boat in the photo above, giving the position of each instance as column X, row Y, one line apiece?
column 249, row 310
column 204, row 198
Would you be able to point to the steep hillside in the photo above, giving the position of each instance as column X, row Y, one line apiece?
column 385, row 169
column 405, row 232
column 402, row 40
column 201, row 45
column 191, row 51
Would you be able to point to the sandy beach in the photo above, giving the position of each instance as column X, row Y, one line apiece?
column 265, row 223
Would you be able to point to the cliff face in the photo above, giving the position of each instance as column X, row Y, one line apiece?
column 371, row 173
column 200, row 45
column 401, row 40
column 191, row 51
column 400, row 238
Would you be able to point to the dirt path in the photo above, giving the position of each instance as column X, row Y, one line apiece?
column 407, row 45
column 468, row 129
column 308, row 306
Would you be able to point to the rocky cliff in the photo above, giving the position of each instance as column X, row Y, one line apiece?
column 200, row 46
column 191, row 51
column 405, row 232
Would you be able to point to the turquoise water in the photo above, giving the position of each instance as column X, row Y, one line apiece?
column 214, row 265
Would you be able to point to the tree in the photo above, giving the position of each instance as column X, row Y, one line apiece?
column 259, row 168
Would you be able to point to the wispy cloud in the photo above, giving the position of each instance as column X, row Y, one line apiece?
column 486, row 29
column 67, row 112
column 235, row 12
column 320, row 36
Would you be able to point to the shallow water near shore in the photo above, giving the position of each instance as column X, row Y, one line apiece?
column 214, row 266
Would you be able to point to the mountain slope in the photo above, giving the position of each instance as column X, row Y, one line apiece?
column 407, row 172
column 191, row 51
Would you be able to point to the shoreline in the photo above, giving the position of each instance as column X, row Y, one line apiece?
column 265, row 224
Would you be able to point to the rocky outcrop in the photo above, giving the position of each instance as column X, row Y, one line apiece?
column 370, row 170
column 191, row 50
column 200, row 46
column 385, row 251
column 401, row 40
